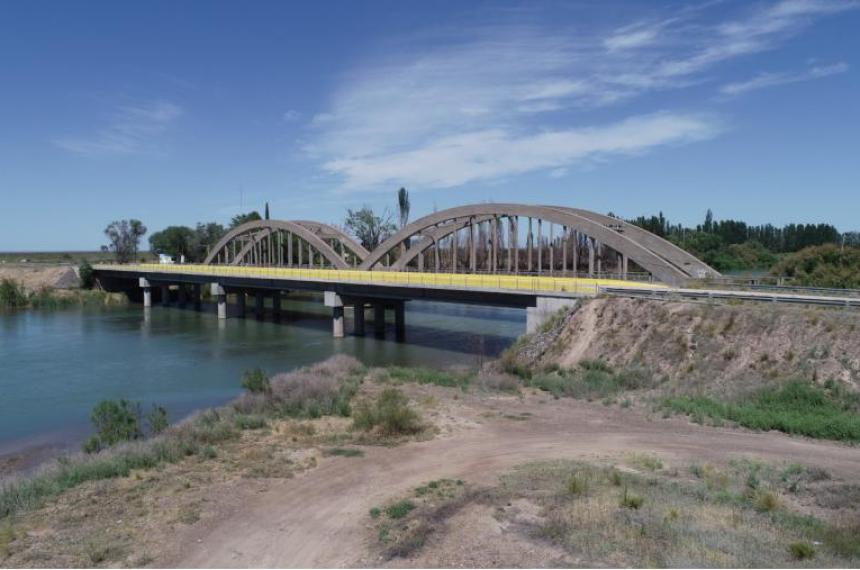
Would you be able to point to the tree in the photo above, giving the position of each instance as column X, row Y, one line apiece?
column 115, row 421
column 206, row 236
column 124, row 236
column 403, row 206
column 708, row 226
column 370, row 229
column 174, row 241
column 267, row 210
column 86, row 275
column 240, row 219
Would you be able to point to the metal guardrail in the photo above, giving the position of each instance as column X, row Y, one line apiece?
column 569, row 285
column 711, row 294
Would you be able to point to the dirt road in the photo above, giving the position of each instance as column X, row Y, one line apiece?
column 320, row 518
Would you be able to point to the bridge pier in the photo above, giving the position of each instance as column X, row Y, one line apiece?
column 165, row 295
column 333, row 300
column 379, row 319
column 221, row 296
column 147, row 292
column 181, row 296
column 544, row 310
column 358, row 317
column 240, row 303
column 400, row 320
column 259, row 306
column 196, row 296
column 276, row 305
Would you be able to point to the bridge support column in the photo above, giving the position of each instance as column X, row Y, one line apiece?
column 400, row 321
column 358, row 317
column 147, row 292
column 165, row 295
column 180, row 294
column 221, row 296
column 259, row 306
column 379, row 319
column 333, row 300
column 276, row 305
column 544, row 310
column 196, row 296
column 240, row 303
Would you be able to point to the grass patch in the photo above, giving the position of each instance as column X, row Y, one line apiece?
column 343, row 452
column 591, row 380
column 422, row 375
column 399, row 509
column 798, row 408
column 388, row 415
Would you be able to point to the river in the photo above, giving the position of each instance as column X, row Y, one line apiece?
column 55, row 365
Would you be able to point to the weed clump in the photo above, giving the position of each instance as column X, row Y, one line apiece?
column 801, row 550
column 399, row 509
column 389, row 414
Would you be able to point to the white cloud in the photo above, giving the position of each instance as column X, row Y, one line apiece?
column 487, row 154
column 131, row 129
column 771, row 79
column 512, row 90
column 291, row 116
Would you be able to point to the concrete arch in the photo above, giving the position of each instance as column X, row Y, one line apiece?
column 258, row 226
column 645, row 257
column 327, row 231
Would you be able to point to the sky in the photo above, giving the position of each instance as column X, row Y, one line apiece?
column 177, row 112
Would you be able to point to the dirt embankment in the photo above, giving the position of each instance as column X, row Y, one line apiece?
column 36, row 277
column 722, row 350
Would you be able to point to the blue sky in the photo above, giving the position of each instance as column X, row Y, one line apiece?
column 178, row 112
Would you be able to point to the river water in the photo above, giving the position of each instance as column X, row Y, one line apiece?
column 55, row 365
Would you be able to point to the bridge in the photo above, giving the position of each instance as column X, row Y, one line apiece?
column 536, row 257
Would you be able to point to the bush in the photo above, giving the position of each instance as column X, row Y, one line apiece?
column 115, row 421
column 256, row 382
column 86, row 275
column 12, row 295
column 390, row 414
column 631, row 501
column 797, row 408
column 156, row 420
column 822, row 266
column 400, row 509
column 801, row 550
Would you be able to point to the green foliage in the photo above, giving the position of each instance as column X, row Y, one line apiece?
column 240, row 219
column 400, row 509
column 115, row 421
column 577, row 485
column 193, row 243
column 375, row 513
column 343, row 452
column 631, row 501
column 250, row 421
column 421, row 375
column 157, row 420
column 403, row 206
column 801, row 550
column 370, row 228
column 124, row 237
column 256, row 381
column 86, row 275
column 390, row 414
column 12, row 295
column 823, row 266
column 590, row 380
column 797, row 407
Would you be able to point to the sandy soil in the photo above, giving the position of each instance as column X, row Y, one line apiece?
column 319, row 518
column 34, row 277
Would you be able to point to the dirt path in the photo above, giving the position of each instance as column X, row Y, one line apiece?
column 319, row 519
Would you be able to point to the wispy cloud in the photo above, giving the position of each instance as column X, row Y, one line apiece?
column 772, row 79
column 130, row 129
column 508, row 100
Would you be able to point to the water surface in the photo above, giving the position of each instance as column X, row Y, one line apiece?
column 55, row 365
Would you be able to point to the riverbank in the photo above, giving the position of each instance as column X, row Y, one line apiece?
column 263, row 483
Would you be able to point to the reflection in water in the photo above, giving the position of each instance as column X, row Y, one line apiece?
column 54, row 366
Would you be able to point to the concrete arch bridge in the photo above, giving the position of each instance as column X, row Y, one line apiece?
column 481, row 238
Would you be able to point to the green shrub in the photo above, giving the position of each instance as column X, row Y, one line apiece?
column 12, row 295
column 86, row 275
column 115, row 421
column 390, row 414
column 375, row 513
column 256, row 382
column 157, row 420
column 343, row 452
column 245, row 422
column 577, row 486
column 447, row 378
column 801, row 550
column 797, row 408
column 400, row 509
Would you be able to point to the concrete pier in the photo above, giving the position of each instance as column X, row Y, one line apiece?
column 181, row 295
column 545, row 309
column 358, row 317
column 220, row 295
column 240, row 304
column 196, row 296
column 400, row 321
column 259, row 306
column 379, row 319
column 276, row 305
column 165, row 295
column 147, row 292
column 333, row 300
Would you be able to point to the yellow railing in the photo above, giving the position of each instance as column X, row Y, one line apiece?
column 575, row 285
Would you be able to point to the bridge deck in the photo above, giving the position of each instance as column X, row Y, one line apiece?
column 528, row 285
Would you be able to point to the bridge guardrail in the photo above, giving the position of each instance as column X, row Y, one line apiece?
column 699, row 294
column 571, row 285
